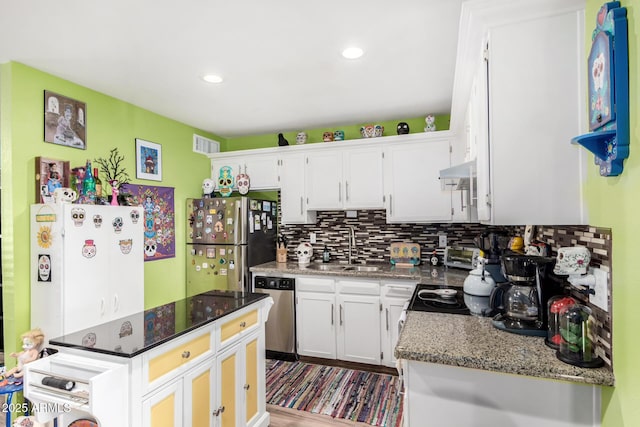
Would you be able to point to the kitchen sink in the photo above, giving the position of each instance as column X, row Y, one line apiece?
column 326, row 267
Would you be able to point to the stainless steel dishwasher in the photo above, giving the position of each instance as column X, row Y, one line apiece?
column 280, row 329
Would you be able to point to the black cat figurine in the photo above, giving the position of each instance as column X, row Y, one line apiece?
column 282, row 141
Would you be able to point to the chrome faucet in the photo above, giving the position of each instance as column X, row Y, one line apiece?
column 352, row 243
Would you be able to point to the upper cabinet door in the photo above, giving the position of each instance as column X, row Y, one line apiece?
column 413, row 189
column 324, row 186
column 293, row 204
column 363, row 178
column 261, row 168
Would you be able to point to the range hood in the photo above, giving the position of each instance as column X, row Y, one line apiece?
column 459, row 177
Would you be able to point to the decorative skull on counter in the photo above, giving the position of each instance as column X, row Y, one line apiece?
column 242, row 181
column 572, row 260
column 304, row 251
column 64, row 195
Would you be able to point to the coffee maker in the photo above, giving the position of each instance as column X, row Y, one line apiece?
column 493, row 245
column 521, row 302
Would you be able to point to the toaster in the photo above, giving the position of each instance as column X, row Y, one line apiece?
column 466, row 258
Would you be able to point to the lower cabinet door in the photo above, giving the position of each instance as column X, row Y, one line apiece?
column 316, row 324
column 164, row 407
column 199, row 395
column 228, row 370
column 251, row 379
column 358, row 328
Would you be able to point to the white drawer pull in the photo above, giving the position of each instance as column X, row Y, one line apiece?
column 186, row 354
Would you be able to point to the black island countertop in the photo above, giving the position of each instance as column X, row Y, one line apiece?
column 135, row 334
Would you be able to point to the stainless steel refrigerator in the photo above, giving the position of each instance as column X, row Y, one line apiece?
column 226, row 236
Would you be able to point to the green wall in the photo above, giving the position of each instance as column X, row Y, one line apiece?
column 110, row 123
column 416, row 125
column 614, row 202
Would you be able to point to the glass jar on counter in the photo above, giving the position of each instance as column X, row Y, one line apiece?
column 578, row 332
column 556, row 307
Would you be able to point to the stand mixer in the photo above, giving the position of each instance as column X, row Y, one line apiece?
column 521, row 303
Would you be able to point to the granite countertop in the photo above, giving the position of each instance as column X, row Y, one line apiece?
column 473, row 342
column 422, row 273
column 132, row 335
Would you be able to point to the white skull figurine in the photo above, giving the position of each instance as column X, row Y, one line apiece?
column 242, row 180
column 301, row 138
column 64, row 195
column 430, row 121
column 207, row 187
column 572, row 260
column 304, row 252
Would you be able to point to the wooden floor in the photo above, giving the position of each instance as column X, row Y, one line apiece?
column 285, row 417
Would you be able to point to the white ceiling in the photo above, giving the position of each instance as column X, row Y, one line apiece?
column 280, row 59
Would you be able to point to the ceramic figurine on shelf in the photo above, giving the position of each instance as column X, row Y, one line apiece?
column 115, row 190
column 243, row 182
column 225, row 181
column 282, row 141
column 338, row 135
column 31, row 343
column 327, row 136
column 430, row 120
column 301, row 138
column 403, row 128
column 64, row 195
column 207, row 187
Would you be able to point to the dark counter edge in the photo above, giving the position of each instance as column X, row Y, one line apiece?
column 53, row 342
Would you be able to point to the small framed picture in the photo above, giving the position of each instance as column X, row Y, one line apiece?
column 50, row 174
column 65, row 121
column 148, row 160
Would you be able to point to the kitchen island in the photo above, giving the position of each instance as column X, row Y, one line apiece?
column 186, row 363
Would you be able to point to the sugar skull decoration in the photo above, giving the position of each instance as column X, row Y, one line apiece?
column 208, row 186
column 117, row 224
column 44, row 268
column 89, row 249
column 242, row 181
column 338, row 135
column 430, row 121
column 225, row 181
column 135, row 216
column 150, row 248
column 403, row 128
column 304, row 251
column 64, row 195
column 327, row 136
column 301, row 138
column 126, row 245
column 78, row 216
column 371, row 131
column 97, row 221
column 572, row 260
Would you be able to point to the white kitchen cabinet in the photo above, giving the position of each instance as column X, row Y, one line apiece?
column 523, row 112
column 412, row 184
column 291, row 179
column 240, row 366
column 345, row 178
column 316, row 317
column 358, row 309
column 262, row 168
column 393, row 296
column 164, row 407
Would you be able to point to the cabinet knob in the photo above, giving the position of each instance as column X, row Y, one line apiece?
column 218, row 411
column 243, row 324
column 186, row 354
column 246, row 386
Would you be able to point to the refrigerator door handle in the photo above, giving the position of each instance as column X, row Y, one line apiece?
column 116, row 303
column 102, row 306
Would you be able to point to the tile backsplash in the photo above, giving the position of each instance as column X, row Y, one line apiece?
column 373, row 237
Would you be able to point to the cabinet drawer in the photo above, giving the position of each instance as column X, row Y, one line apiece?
column 168, row 361
column 233, row 327
column 358, row 287
column 313, row 284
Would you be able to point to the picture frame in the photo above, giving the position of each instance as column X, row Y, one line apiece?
column 50, row 174
column 148, row 160
column 65, row 121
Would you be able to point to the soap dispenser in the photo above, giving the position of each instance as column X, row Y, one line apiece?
column 326, row 255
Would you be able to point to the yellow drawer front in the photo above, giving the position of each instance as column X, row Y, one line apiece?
column 239, row 324
column 172, row 359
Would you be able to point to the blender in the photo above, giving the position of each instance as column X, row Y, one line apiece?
column 522, row 302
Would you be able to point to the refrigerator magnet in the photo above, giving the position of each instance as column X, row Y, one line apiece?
column 205, row 265
column 232, row 265
column 198, row 268
column 211, row 252
column 266, row 206
column 223, row 251
column 44, row 268
column 253, row 205
column 223, row 271
column 89, row 249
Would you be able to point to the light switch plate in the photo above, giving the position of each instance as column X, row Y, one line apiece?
column 442, row 240
column 312, row 237
column 601, row 297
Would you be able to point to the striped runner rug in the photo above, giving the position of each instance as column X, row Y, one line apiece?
column 365, row 397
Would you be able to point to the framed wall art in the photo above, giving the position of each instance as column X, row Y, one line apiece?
column 148, row 160
column 65, row 121
column 50, row 174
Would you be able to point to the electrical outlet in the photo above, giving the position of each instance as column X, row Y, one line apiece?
column 442, row 240
column 601, row 297
column 312, row 237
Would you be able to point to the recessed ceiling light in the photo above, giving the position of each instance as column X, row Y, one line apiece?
column 352, row 52
column 212, row 78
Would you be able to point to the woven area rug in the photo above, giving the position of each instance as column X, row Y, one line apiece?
column 365, row 397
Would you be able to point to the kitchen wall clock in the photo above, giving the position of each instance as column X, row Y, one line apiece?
column 608, row 97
